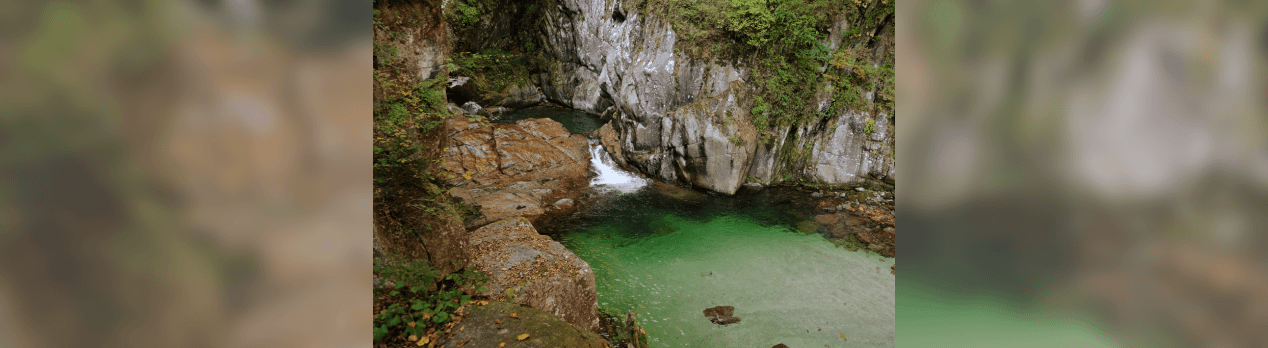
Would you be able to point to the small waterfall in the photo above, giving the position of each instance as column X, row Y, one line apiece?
column 610, row 177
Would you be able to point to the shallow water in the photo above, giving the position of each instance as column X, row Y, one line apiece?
column 669, row 259
column 576, row 121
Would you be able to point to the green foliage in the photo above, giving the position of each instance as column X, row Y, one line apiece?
column 869, row 126
column 402, row 116
column 493, row 70
column 421, row 297
column 465, row 12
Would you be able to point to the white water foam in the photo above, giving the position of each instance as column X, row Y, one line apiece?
column 610, row 177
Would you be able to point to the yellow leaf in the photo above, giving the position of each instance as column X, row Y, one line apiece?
column 521, row 337
column 426, row 316
column 484, row 303
column 413, row 337
column 503, row 344
column 513, row 315
column 424, row 341
column 411, row 324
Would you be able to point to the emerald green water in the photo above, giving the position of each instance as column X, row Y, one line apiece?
column 669, row 259
column 576, row 121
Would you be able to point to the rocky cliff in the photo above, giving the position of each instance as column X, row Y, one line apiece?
column 684, row 119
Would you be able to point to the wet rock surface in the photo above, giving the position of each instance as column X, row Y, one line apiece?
column 528, row 268
column 518, row 169
column 722, row 315
column 492, row 325
column 862, row 219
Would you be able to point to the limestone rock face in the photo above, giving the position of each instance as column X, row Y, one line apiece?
column 686, row 120
column 528, row 268
column 491, row 324
column 514, row 169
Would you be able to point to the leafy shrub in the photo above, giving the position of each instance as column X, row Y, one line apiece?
column 412, row 306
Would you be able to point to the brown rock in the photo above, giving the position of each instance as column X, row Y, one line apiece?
column 838, row 232
column 721, row 315
column 864, row 236
column 719, row 311
column 826, row 219
column 531, row 269
column 482, row 327
column 726, row 320
column 514, row 170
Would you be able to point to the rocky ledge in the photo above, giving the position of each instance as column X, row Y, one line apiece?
column 509, row 325
column 528, row 268
column 520, row 169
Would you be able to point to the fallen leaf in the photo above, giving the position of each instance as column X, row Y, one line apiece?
column 497, row 321
column 460, row 329
column 503, row 344
column 522, row 337
column 411, row 324
column 413, row 337
column 423, row 341
column 463, row 343
column 513, row 315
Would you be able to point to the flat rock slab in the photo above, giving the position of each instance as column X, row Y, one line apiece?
column 491, row 325
column 528, row 268
column 516, row 169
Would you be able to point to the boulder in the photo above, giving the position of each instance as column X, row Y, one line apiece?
column 528, row 268
column 514, row 169
column 491, row 326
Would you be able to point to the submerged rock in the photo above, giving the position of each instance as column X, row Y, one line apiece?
column 826, row 219
column 528, row 268
column 678, row 193
column 491, row 325
column 721, row 315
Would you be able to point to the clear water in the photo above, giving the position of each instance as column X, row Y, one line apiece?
column 670, row 259
column 576, row 121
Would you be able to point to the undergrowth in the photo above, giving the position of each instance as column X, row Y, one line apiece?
column 420, row 300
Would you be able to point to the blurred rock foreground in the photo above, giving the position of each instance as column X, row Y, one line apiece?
column 177, row 174
column 1097, row 161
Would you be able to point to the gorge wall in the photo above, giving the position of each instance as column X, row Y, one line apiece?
column 684, row 119
column 679, row 118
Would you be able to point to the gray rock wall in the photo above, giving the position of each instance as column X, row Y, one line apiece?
column 670, row 112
